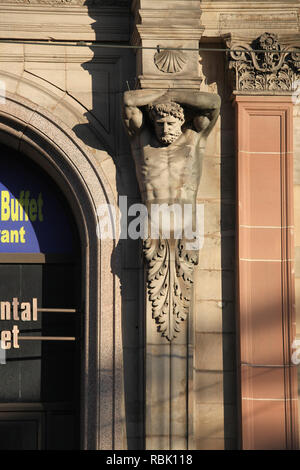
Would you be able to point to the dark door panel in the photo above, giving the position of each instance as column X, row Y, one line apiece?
column 42, row 372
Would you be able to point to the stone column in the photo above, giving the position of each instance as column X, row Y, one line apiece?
column 169, row 364
column 167, row 24
column 264, row 83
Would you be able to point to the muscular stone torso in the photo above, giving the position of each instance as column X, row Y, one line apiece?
column 171, row 173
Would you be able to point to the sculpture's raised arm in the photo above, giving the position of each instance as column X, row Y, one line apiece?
column 205, row 105
column 133, row 100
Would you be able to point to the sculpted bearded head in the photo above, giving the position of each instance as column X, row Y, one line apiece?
column 168, row 119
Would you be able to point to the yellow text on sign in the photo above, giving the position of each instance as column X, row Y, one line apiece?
column 23, row 208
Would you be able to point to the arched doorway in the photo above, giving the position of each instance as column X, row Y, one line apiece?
column 40, row 310
column 44, row 139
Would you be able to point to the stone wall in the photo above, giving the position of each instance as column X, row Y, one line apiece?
column 297, row 226
column 82, row 87
column 215, row 382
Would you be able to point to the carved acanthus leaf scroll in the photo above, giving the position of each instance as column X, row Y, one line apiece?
column 170, row 282
column 264, row 65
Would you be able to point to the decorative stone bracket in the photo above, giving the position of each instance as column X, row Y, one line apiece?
column 264, row 65
column 170, row 280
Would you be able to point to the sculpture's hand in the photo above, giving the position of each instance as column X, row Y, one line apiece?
column 139, row 98
column 206, row 107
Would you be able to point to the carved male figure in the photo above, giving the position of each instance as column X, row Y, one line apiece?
column 168, row 132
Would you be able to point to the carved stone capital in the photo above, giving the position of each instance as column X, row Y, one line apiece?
column 267, row 64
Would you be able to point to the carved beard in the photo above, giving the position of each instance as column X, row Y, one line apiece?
column 168, row 139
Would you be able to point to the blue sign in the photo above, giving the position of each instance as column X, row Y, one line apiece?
column 33, row 216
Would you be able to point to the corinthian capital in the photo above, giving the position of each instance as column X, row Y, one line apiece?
column 268, row 64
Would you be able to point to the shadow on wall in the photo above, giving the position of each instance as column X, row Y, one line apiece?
column 215, row 71
column 112, row 71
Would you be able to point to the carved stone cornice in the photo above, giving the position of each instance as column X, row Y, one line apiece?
column 267, row 64
column 105, row 20
column 95, row 3
column 243, row 16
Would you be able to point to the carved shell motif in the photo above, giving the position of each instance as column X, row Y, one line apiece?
column 169, row 61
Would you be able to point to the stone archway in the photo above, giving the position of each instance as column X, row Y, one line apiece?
column 39, row 135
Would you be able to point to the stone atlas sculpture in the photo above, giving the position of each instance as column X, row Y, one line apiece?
column 168, row 132
column 264, row 65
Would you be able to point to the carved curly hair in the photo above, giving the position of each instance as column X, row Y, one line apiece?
column 169, row 108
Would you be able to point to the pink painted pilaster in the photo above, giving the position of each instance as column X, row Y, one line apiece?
column 265, row 260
